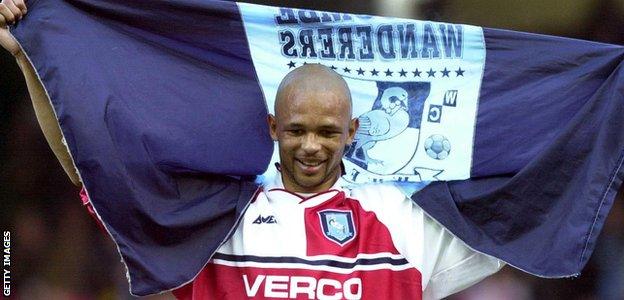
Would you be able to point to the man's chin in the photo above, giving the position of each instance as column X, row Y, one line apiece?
column 311, row 185
column 318, row 181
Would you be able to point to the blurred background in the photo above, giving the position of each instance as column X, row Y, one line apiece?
column 58, row 252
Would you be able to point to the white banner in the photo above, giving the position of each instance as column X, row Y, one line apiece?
column 415, row 85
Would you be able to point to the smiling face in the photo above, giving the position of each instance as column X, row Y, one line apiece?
column 312, row 125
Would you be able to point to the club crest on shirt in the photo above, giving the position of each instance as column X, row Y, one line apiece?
column 337, row 225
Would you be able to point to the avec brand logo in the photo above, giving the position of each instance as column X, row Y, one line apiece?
column 265, row 220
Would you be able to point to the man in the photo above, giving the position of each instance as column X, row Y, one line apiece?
column 307, row 234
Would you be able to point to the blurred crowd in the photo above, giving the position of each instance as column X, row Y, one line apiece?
column 60, row 253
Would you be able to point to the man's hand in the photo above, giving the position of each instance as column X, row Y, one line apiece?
column 11, row 11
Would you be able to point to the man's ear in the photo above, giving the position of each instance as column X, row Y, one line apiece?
column 272, row 126
column 354, row 124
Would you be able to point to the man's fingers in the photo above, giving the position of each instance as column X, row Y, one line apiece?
column 8, row 16
column 6, row 13
column 17, row 13
column 21, row 5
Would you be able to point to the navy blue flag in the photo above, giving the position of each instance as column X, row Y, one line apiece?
column 513, row 141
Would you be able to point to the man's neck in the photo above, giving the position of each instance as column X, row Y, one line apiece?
column 291, row 187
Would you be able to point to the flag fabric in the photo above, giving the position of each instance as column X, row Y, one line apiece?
column 513, row 141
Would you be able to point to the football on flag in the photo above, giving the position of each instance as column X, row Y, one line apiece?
column 437, row 146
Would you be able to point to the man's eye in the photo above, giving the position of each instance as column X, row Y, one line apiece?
column 328, row 133
column 296, row 131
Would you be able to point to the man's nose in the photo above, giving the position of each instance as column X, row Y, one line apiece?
column 310, row 143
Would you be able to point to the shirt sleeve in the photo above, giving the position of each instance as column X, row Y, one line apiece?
column 447, row 265
column 454, row 265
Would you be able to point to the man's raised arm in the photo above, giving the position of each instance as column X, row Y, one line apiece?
column 12, row 11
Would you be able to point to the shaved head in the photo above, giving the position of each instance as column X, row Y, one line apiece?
column 312, row 125
column 311, row 78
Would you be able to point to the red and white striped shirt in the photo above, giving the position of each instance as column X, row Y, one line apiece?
column 370, row 242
